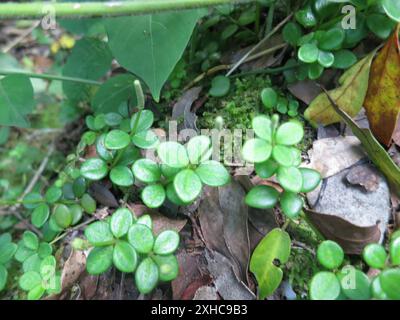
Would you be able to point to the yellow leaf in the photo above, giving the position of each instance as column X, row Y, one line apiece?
column 350, row 95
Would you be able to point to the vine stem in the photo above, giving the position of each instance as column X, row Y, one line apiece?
column 49, row 76
column 77, row 227
column 99, row 9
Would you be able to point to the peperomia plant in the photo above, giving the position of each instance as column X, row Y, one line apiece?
column 349, row 282
column 273, row 152
column 128, row 243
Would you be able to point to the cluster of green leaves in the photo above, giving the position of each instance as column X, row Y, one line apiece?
column 328, row 44
column 273, row 152
column 351, row 283
column 274, row 101
column 39, row 274
column 129, row 244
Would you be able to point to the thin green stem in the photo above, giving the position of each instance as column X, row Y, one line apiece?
column 265, row 71
column 49, row 77
column 31, row 10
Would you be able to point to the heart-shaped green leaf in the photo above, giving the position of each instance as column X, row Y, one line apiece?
column 153, row 195
column 121, row 221
column 125, row 257
column 187, row 185
column 116, row 139
column 166, row 242
column 99, row 234
column 311, row 179
column 31, row 241
column 88, row 203
column 199, row 149
column 168, row 267
column 291, row 204
column 262, row 197
column 256, row 150
column 262, row 126
column 94, row 169
column 146, row 276
column 220, row 86
column 330, row 254
column 324, row 286
column 99, row 260
column 146, row 170
column 289, row 133
column 121, row 176
column 40, row 215
column 213, row 173
column 266, row 169
column 375, row 255
column 141, row 238
column 290, row 179
column 173, row 154
column 275, row 246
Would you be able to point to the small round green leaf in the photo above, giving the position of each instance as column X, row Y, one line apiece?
column 256, row 150
column 308, row 53
column 146, row 276
column 286, row 156
column 291, row 204
column 289, row 133
column 331, row 39
column 166, row 242
column 99, row 234
column 53, row 194
column 121, row 176
column 173, row 154
column 392, row 9
column 3, row 277
column 326, row 59
column 311, row 179
column 146, row 170
column 99, row 260
column 395, row 252
column 40, row 215
column 146, row 119
column 153, row 195
column 344, row 59
column 375, row 255
column 141, row 238
column 266, row 169
column 168, row 267
column 355, row 284
column 36, row 293
column 79, row 187
column 377, row 291
column 76, row 212
column 220, row 86
column 7, row 251
column 213, row 173
column 29, row 280
column 101, row 149
column 121, row 221
column 290, row 179
column 116, row 139
column 31, row 241
column 145, row 139
column 32, row 200
column 187, row 185
column 292, row 33
column 88, row 203
column 262, row 126
column 32, row 263
column 62, row 216
column 172, row 196
column 330, row 254
column 324, row 286
column 94, row 169
column 199, row 149
column 390, row 283
column 262, row 197
column 269, row 98
column 146, row 220
column 125, row 257
column 380, row 24
column 45, row 249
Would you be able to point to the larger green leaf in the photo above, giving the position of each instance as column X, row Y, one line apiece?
column 151, row 45
column 99, row 233
column 89, row 59
column 16, row 100
column 274, row 246
column 99, row 260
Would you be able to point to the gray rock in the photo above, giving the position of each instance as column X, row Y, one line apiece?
column 353, row 203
